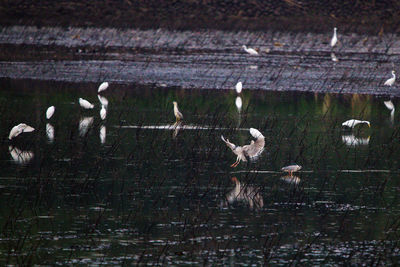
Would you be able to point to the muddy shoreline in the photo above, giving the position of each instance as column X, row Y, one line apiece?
column 208, row 59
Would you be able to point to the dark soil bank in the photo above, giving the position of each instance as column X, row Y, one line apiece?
column 294, row 15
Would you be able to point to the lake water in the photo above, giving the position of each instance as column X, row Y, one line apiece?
column 135, row 189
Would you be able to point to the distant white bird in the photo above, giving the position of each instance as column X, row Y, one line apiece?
column 351, row 123
column 239, row 87
column 102, row 134
column 238, row 103
column 334, row 38
column 177, row 113
column 85, row 104
column 50, row 112
column 391, row 81
column 334, row 58
column 102, row 87
column 19, row 129
column 103, row 113
column 389, row 104
column 251, row 151
column 251, row 51
column 50, row 132
column 103, row 100
column 291, row 169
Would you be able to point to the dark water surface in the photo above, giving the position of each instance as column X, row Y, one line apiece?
column 131, row 189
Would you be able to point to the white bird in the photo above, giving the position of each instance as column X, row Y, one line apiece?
column 102, row 134
column 239, row 87
column 19, row 129
column 251, row 151
column 334, row 38
column 103, row 100
column 334, row 58
column 85, row 104
column 102, row 87
column 391, row 81
column 50, row 132
column 389, row 104
column 177, row 113
column 50, row 112
column 351, row 123
column 103, row 113
column 251, row 51
column 238, row 103
column 291, row 169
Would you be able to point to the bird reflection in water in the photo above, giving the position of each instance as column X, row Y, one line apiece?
column 352, row 141
column 251, row 151
column 291, row 179
column 50, row 132
column 102, row 134
column 177, row 127
column 247, row 194
column 84, row 125
column 19, row 156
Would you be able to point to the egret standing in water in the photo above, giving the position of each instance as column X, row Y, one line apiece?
column 239, row 87
column 50, row 112
column 351, row 123
column 177, row 113
column 334, row 38
column 251, row 151
column 391, row 81
column 251, row 51
column 291, row 169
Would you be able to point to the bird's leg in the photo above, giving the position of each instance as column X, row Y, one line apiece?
column 290, row 173
column 234, row 164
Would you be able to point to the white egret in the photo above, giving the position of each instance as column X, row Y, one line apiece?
column 389, row 105
column 85, row 104
column 19, row 129
column 239, row 87
column 391, row 81
column 251, row 51
column 334, row 58
column 19, row 156
column 291, row 169
column 238, row 103
column 177, row 113
column 102, row 87
column 50, row 132
column 251, row 151
column 334, row 38
column 351, row 123
column 50, row 112
column 84, row 125
column 102, row 134
column 103, row 113
column 103, row 100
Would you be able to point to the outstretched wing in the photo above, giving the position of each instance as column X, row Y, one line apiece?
column 229, row 144
column 256, row 133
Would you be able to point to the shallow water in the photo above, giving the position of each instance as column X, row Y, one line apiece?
column 133, row 189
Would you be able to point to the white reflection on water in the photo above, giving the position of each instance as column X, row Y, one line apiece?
column 50, row 132
column 351, row 140
column 19, row 156
column 247, row 194
column 84, row 125
column 291, row 179
column 103, row 101
column 238, row 103
column 102, row 134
